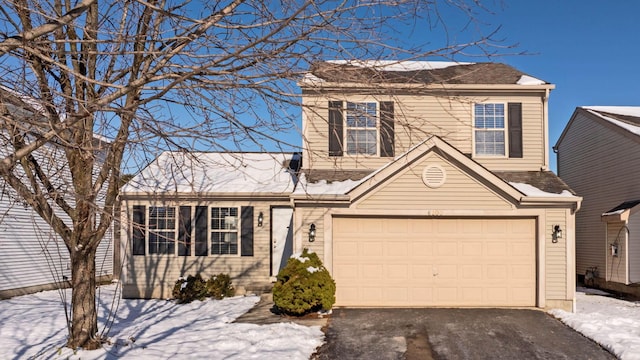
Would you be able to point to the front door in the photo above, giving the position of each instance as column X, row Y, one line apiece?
column 281, row 238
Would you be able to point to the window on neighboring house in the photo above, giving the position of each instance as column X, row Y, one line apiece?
column 362, row 132
column 162, row 230
column 489, row 129
column 224, row 231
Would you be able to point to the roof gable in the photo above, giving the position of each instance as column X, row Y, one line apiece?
column 623, row 119
column 446, row 152
column 434, row 182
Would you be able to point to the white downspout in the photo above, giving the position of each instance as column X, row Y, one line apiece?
column 545, row 128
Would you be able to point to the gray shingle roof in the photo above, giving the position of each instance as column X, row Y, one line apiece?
column 546, row 181
column 477, row 73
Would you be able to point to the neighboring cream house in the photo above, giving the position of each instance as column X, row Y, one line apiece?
column 599, row 156
column 421, row 184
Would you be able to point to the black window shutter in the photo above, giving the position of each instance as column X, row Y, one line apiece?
column 386, row 129
column 246, row 231
column 515, row 130
column 184, row 231
column 201, row 246
column 138, row 229
column 335, row 128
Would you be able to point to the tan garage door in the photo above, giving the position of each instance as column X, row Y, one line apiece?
column 434, row 262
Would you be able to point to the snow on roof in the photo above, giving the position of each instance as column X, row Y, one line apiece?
column 619, row 110
column 399, row 65
column 323, row 187
column 529, row 80
column 215, row 172
column 530, row 190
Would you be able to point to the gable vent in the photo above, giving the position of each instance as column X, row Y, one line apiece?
column 434, row 176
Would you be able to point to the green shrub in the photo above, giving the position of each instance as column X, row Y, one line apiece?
column 304, row 285
column 219, row 286
column 196, row 288
column 193, row 288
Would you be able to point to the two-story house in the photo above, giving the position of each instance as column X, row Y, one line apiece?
column 598, row 156
column 421, row 184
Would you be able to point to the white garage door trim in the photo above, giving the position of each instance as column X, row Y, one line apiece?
column 409, row 262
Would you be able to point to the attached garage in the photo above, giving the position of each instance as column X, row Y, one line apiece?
column 411, row 262
column 433, row 228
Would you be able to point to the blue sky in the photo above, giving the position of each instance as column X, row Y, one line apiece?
column 588, row 49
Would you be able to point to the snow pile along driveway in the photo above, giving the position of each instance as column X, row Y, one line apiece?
column 612, row 323
column 34, row 326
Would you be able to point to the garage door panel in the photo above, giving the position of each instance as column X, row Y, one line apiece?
column 472, row 272
column 397, row 249
column 398, row 272
column 446, row 248
column 437, row 262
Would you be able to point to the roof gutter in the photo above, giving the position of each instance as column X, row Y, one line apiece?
column 538, row 200
column 325, row 85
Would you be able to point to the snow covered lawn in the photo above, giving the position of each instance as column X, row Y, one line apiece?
column 34, row 326
column 612, row 323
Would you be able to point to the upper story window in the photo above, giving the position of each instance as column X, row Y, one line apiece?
column 497, row 130
column 362, row 128
column 192, row 230
column 489, row 129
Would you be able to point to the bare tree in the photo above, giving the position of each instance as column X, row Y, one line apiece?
column 151, row 75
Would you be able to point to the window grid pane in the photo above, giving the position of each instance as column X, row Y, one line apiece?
column 162, row 226
column 362, row 133
column 224, row 231
column 489, row 125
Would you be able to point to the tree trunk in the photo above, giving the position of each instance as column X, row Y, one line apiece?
column 84, row 318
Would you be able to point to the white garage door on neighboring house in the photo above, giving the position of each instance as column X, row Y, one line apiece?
column 409, row 262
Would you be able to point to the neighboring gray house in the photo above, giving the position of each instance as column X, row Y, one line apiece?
column 599, row 157
column 32, row 256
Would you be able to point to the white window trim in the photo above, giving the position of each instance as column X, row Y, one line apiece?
column 147, row 235
column 210, row 231
column 506, row 130
column 346, row 128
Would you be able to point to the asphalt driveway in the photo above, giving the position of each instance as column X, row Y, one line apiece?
column 453, row 334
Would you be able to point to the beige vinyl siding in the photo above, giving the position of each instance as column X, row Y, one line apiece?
column 603, row 166
column 556, row 255
column 633, row 245
column 153, row 275
column 616, row 270
column 307, row 216
column 459, row 191
column 418, row 117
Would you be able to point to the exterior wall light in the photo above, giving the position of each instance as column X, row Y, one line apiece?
column 557, row 234
column 260, row 219
column 312, row 233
